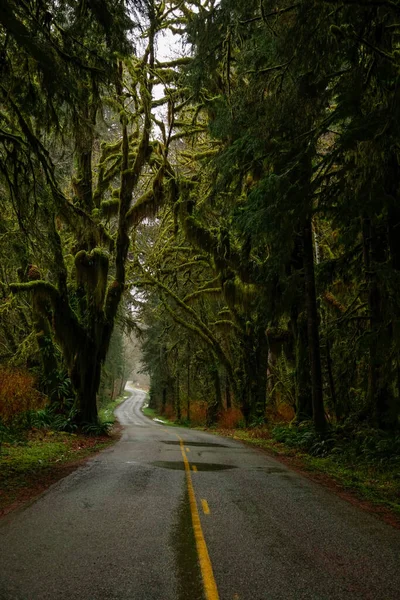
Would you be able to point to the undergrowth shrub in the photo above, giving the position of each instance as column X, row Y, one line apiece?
column 198, row 413
column 364, row 444
column 231, row 418
column 280, row 413
column 18, row 396
column 52, row 418
column 100, row 428
column 168, row 412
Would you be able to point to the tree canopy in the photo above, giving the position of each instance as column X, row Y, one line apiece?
column 245, row 216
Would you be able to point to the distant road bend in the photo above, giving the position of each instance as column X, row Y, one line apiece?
column 173, row 514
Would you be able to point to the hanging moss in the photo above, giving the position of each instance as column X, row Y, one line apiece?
column 241, row 294
column 200, row 236
column 172, row 192
column 199, row 155
column 146, row 206
column 226, row 325
column 85, row 274
column 92, row 272
column 210, row 292
column 114, row 294
column 43, row 289
column 187, row 185
column 149, row 203
column 109, row 208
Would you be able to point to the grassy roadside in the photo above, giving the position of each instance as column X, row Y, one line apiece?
column 28, row 468
column 106, row 413
column 32, row 463
column 374, row 481
column 154, row 415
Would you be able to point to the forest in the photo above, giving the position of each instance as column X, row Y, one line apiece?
column 233, row 201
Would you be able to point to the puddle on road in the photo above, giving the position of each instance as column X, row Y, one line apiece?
column 205, row 444
column 184, row 544
column 179, row 466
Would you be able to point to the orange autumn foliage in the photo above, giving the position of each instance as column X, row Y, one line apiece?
column 230, row 418
column 169, row 412
column 18, row 394
column 198, row 413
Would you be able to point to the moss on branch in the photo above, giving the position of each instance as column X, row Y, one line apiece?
column 42, row 288
column 215, row 292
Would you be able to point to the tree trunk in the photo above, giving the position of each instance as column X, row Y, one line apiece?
column 304, row 407
column 228, row 399
column 383, row 405
column 313, row 329
column 258, row 381
column 177, row 398
column 215, row 405
column 188, row 388
column 331, row 379
column 89, row 382
column 47, row 354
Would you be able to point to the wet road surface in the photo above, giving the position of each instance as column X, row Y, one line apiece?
column 121, row 527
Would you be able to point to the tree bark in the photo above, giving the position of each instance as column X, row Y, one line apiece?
column 313, row 329
column 177, row 397
column 215, row 405
column 331, row 379
column 228, row 399
column 188, row 386
column 304, row 407
column 383, row 405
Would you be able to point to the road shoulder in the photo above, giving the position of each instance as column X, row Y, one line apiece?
column 29, row 470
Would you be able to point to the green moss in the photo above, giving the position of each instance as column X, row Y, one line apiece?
column 44, row 289
column 37, row 463
column 109, row 208
column 46, row 449
column 146, row 206
column 92, row 272
column 238, row 293
column 201, row 237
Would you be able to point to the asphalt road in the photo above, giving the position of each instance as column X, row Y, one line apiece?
column 120, row 528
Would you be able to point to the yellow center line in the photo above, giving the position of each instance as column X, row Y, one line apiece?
column 194, row 468
column 206, row 508
column 187, row 449
column 210, row 586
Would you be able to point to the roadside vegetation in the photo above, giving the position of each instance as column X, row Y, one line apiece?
column 38, row 444
column 30, row 463
column 155, row 416
column 106, row 412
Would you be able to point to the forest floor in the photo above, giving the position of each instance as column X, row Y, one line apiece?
column 28, row 468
